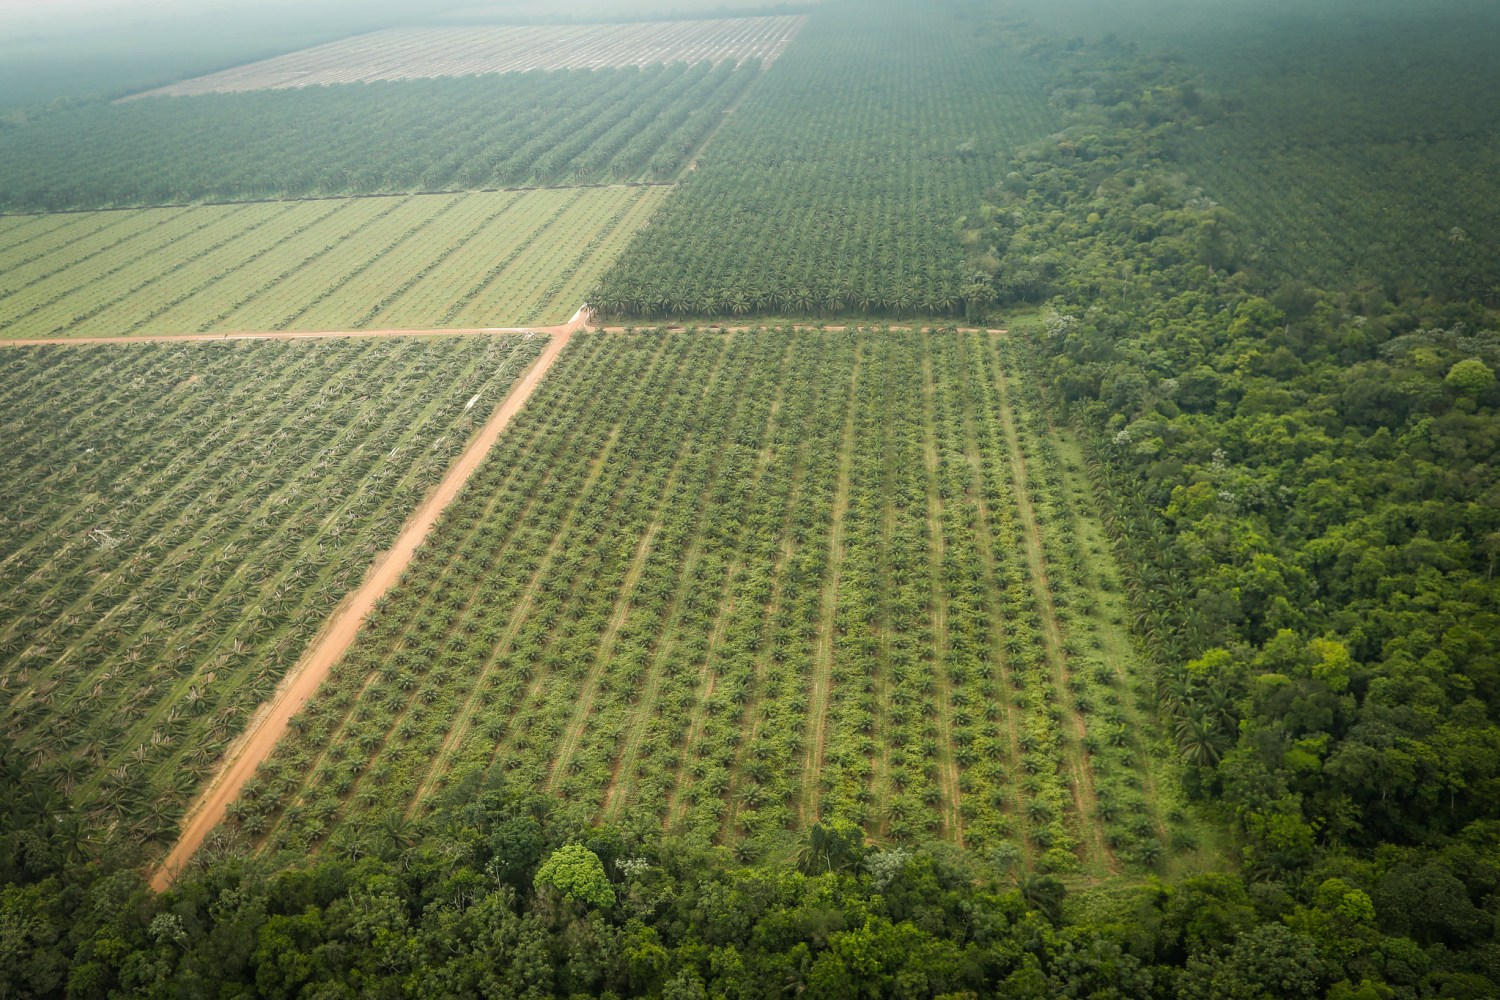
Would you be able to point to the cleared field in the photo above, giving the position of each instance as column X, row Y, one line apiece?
column 465, row 260
column 177, row 521
column 418, row 53
column 719, row 583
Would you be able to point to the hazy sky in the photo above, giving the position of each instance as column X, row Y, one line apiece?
column 128, row 6
column 49, row 17
column 42, row 8
column 44, row 12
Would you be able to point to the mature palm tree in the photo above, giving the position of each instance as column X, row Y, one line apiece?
column 394, row 833
column 903, row 298
column 1199, row 739
column 1042, row 893
column 1176, row 689
column 74, row 838
column 150, row 818
column 1218, row 703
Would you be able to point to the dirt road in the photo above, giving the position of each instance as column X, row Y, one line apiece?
column 574, row 324
column 271, row 720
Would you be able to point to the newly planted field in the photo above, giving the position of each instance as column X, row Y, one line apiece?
column 475, row 260
column 420, row 53
column 176, row 522
column 519, row 130
column 721, row 584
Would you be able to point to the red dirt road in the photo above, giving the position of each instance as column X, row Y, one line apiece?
column 271, row 720
column 572, row 325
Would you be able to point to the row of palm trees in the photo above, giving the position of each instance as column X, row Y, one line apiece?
column 635, row 299
column 141, row 661
column 491, row 647
column 470, row 133
column 1199, row 712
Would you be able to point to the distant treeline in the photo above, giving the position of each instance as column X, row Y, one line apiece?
column 1364, row 155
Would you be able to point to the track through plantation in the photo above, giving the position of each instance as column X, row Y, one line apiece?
column 717, row 583
column 270, row 723
column 177, row 522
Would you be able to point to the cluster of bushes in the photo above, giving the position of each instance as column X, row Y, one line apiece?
column 496, row 897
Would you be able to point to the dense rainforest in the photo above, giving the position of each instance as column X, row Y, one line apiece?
column 496, row 897
column 1302, row 481
column 1304, row 478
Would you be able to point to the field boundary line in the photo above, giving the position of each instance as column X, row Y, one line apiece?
column 269, row 723
column 937, row 556
column 396, row 640
column 579, row 322
column 409, row 443
column 181, row 338
column 440, row 762
column 1081, row 778
column 825, row 653
column 334, row 197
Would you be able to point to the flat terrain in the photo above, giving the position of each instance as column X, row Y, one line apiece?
column 418, row 53
column 836, row 186
column 178, row 520
column 568, row 128
column 270, row 724
column 1384, row 179
column 547, row 12
column 720, row 583
column 464, row 260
